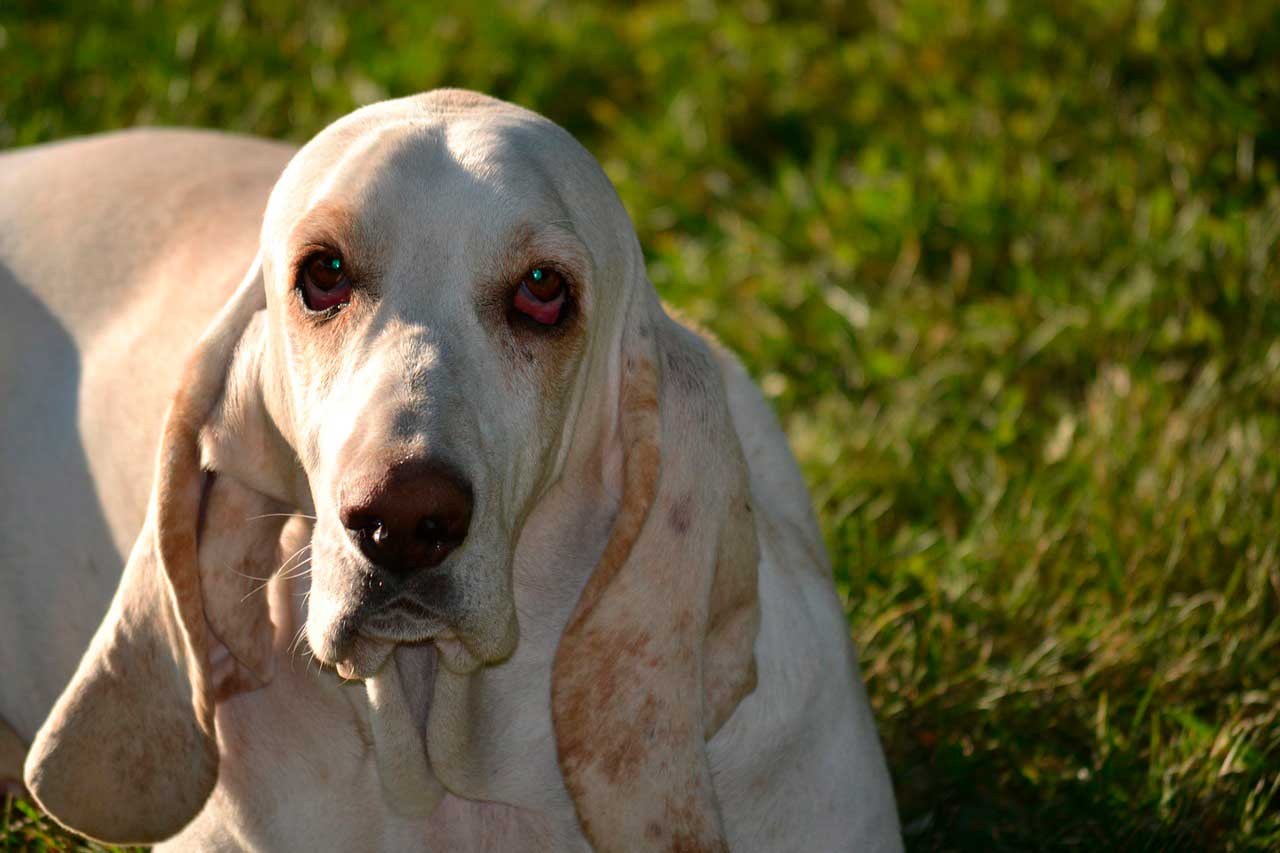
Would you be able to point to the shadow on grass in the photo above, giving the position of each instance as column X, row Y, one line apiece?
column 956, row 797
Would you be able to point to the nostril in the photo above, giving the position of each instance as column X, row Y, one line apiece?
column 370, row 526
column 370, row 533
column 435, row 528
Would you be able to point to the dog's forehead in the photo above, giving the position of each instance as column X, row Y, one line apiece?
column 495, row 163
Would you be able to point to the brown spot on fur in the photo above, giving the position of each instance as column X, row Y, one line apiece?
column 682, row 623
column 618, row 751
column 626, row 754
column 683, row 843
column 690, row 831
column 680, row 514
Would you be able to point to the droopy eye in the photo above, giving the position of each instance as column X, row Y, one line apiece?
column 540, row 296
column 324, row 282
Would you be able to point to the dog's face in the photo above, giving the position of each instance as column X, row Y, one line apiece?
column 431, row 278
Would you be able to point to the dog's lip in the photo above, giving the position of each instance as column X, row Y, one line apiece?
column 403, row 620
column 348, row 648
column 391, row 625
column 364, row 658
column 360, row 641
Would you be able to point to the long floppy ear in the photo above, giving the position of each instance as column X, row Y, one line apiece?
column 660, row 647
column 128, row 753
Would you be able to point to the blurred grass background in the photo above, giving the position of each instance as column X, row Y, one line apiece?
column 1008, row 271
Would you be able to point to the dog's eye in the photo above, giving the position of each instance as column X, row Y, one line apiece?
column 324, row 281
column 541, row 295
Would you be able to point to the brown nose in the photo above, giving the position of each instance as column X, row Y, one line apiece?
column 410, row 518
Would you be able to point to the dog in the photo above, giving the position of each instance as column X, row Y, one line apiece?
column 556, row 565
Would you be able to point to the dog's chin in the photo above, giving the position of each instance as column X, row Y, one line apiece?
column 457, row 654
column 337, row 642
column 356, row 634
column 357, row 643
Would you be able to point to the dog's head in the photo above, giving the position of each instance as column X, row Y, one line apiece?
column 449, row 308
column 436, row 270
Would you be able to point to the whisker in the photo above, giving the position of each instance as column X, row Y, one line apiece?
column 268, row 579
column 281, row 515
column 282, row 571
column 298, row 571
column 286, row 577
column 296, row 643
column 254, row 591
column 292, row 556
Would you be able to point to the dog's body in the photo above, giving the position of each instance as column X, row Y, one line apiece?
column 93, row 334
column 99, row 311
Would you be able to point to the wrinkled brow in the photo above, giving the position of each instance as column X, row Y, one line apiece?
column 326, row 224
column 553, row 242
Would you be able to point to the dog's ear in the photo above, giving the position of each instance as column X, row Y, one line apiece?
column 128, row 753
column 660, row 647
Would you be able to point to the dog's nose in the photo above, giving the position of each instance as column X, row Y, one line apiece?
column 410, row 517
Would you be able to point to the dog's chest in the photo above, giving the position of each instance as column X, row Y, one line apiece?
column 459, row 824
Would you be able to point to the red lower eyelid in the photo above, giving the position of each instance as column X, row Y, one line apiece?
column 320, row 300
column 545, row 313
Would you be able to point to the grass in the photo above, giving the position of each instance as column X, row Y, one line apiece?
column 1007, row 270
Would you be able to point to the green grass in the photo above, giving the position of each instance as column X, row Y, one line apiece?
column 1007, row 270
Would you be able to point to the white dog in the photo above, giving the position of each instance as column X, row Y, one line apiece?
column 560, row 555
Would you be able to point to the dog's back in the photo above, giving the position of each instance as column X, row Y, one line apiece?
column 98, row 313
